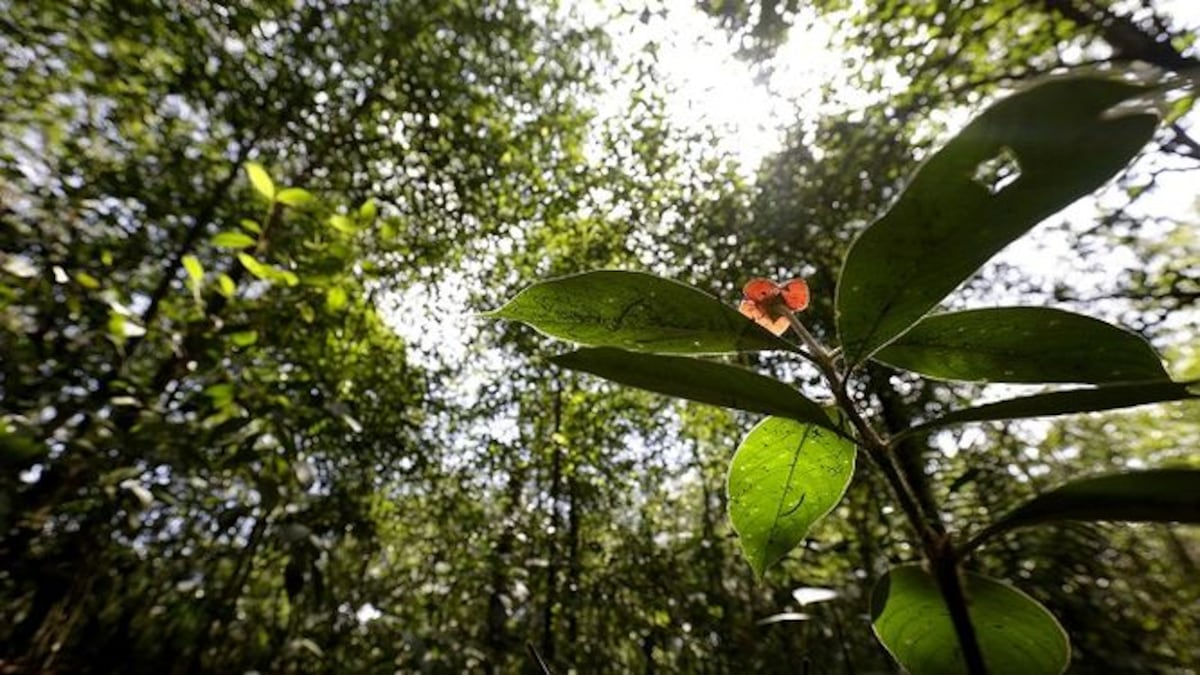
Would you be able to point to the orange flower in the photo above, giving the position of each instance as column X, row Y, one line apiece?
column 764, row 300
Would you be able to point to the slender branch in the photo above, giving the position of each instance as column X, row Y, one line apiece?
column 938, row 547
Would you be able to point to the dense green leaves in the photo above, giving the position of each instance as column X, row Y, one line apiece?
column 1156, row 495
column 637, row 311
column 1061, row 140
column 784, row 477
column 1023, row 344
column 1016, row 634
column 697, row 380
column 1071, row 401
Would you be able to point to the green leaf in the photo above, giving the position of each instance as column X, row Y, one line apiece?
column 294, row 197
column 946, row 224
column 195, row 270
column 226, row 285
column 260, row 179
column 342, row 223
column 1072, row 401
column 1016, row 634
column 233, row 239
column 244, row 338
column 1154, row 495
column 255, row 267
column 87, row 281
column 784, row 477
column 1023, row 344
column 335, row 298
column 636, row 311
column 251, row 226
column 367, row 211
column 697, row 380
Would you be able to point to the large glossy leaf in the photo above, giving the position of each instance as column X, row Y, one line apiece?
column 637, row 311
column 1023, row 344
column 784, row 477
column 697, row 380
column 1016, row 634
column 1064, row 143
column 1071, row 401
column 1155, row 495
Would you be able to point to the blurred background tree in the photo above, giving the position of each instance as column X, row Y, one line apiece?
column 220, row 455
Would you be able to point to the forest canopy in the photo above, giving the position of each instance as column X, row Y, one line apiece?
column 424, row 336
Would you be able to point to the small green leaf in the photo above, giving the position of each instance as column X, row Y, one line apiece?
column 335, row 298
column 231, row 239
column 342, row 223
column 260, row 179
column 195, row 270
column 1016, row 634
column 636, row 311
column 1058, row 140
column 121, row 327
column 255, row 267
column 784, row 477
column 244, row 338
column 294, row 197
column 251, row 226
column 1072, row 401
column 1023, row 344
column 226, row 285
column 1154, row 495
column 697, row 380
column 87, row 281
column 367, row 211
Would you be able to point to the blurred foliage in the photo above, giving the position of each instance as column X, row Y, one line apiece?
column 218, row 455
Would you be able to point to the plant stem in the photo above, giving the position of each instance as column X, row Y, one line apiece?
column 937, row 545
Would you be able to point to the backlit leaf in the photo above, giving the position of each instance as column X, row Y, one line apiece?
column 233, row 239
column 785, row 476
column 260, row 179
column 194, row 269
column 294, row 197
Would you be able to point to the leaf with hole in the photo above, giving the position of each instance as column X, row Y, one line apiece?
column 636, row 311
column 1023, row 344
column 697, row 380
column 784, row 477
column 1069, row 402
column 1015, row 633
column 1054, row 143
column 1169, row 495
